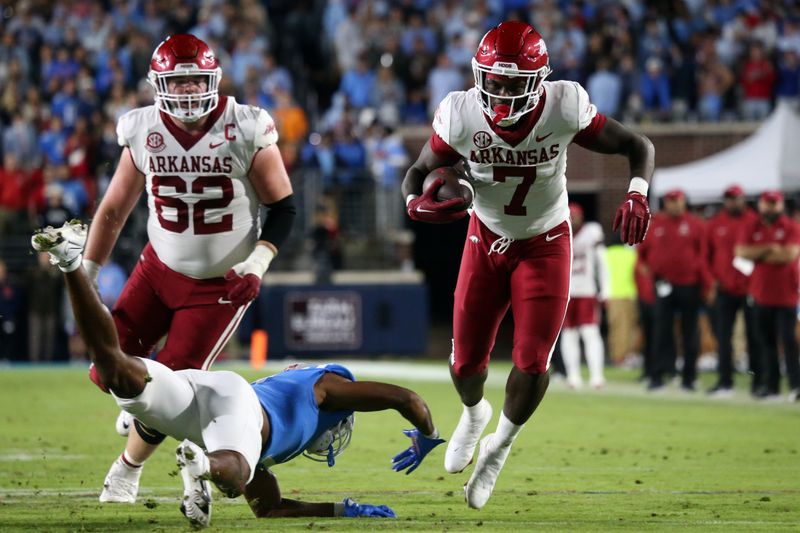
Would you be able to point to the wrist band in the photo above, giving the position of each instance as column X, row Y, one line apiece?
column 410, row 197
column 639, row 185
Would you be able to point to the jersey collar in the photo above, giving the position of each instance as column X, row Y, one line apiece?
column 186, row 139
column 521, row 129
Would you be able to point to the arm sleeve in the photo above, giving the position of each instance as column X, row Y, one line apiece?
column 123, row 130
column 444, row 150
column 442, row 120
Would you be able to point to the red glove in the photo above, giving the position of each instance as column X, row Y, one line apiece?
column 244, row 279
column 633, row 218
column 241, row 289
column 426, row 208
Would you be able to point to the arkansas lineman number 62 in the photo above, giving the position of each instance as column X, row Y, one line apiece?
column 199, row 185
column 528, row 175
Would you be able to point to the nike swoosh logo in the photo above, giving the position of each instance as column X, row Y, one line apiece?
column 223, row 301
column 126, row 425
column 630, row 204
column 549, row 238
column 421, row 210
column 543, row 137
column 212, row 145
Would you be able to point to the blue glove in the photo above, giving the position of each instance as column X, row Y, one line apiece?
column 413, row 456
column 354, row 510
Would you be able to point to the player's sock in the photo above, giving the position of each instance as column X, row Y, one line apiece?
column 506, row 431
column 593, row 348
column 461, row 446
column 122, row 481
column 571, row 354
column 129, row 462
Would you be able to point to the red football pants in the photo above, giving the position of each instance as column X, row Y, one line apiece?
column 532, row 277
column 158, row 301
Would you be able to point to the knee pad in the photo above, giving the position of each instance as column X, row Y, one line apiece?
column 149, row 435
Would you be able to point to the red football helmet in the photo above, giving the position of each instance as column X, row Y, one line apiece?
column 178, row 56
column 512, row 49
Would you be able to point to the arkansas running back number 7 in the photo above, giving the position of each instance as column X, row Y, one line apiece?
column 516, row 207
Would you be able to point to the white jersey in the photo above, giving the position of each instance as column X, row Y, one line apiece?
column 204, row 212
column 589, row 274
column 520, row 190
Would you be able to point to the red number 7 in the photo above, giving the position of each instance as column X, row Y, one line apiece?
column 528, row 175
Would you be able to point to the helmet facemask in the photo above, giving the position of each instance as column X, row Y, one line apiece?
column 519, row 104
column 331, row 442
column 188, row 107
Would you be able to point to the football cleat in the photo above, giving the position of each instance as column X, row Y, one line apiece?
column 124, row 423
column 490, row 461
column 461, row 446
column 196, row 503
column 121, row 484
column 64, row 244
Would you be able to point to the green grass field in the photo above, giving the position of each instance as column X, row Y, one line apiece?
column 588, row 461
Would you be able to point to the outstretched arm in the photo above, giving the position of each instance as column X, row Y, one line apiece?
column 264, row 497
column 335, row 393
column 633, row 216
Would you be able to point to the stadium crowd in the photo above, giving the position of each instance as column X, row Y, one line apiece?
column 340, row 78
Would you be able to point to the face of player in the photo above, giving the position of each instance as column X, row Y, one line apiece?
column 188, row 85
column 675, row 207
column 770, row 211
column 504, row 86
column 734, row 205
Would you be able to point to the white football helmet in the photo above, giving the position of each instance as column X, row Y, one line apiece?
column 332, row 442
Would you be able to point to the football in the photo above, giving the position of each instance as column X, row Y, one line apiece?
column 451, row 188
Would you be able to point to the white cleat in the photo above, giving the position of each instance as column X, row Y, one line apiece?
column 124, row 423
column 481, row 484
column 64, row 244
column 196, row 504
column 121, row 484
column 461, row 446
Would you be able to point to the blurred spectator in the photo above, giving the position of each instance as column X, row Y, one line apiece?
column 292, row 124
column 654, row 89
column 388, row 97
column 772, row 243
column 787, row 87
column 44, row 292
column 319, row 154
column 53, row 141
column 10, row 319
column 351, row 158
column 675, row 254
column 13, row 181
column 646, row 301
column 729, row 290
column 605, row 89
column 19, row 140
column 358, row 82
column 443, row 79
column 714, row 80
column 326, row 249
column 417, row 32
column 757, row 78
column 388, row 160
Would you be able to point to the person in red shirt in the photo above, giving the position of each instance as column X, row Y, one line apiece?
column 757, row 79
column 674, row 253
column 729, row 286
column 772, row 242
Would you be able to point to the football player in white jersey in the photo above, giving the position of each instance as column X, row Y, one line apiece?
column 207, row 163
column 588, row 287
column 513, row 129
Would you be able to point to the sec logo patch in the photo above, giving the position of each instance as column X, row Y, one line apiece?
column 482, row 139
column 155, row 142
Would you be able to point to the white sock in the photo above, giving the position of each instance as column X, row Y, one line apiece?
column 593, row 348
column 130, row 465
column 475, row 410
column 506, row 431
column 571, row 354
